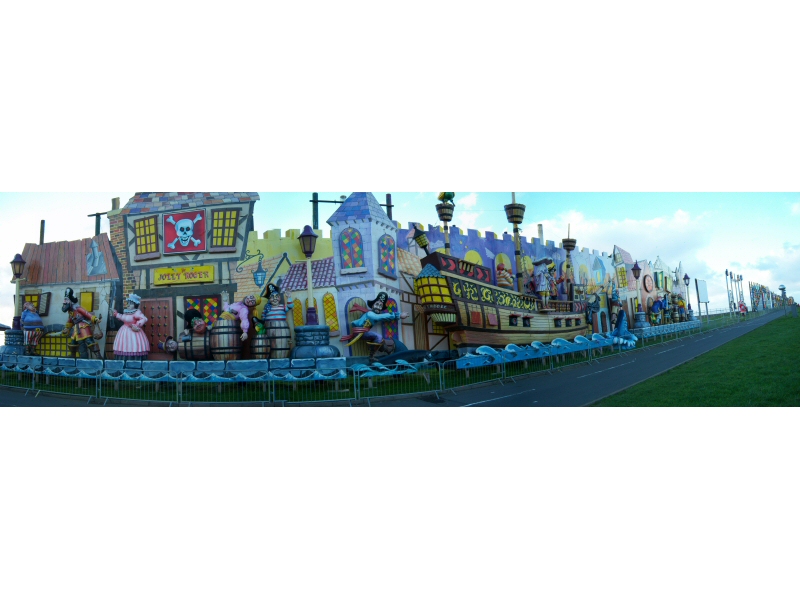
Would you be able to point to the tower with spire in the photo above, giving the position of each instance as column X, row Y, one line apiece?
column 364, row 253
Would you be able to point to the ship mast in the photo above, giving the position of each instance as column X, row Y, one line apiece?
column 515, row 213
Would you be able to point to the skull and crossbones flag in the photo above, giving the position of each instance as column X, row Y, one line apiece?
column 184, row 232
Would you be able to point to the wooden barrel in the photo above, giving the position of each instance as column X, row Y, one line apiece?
column 279, row 337
column 259, row 347
column 226, row 342
column 198, row 348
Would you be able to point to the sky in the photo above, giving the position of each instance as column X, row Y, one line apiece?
column 749, row 233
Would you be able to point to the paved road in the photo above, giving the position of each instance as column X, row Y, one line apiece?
column 575, row 386
column 588, row 383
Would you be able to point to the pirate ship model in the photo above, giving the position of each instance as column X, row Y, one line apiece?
column 460, row 297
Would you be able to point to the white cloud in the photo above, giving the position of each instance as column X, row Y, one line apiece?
column 796, row 208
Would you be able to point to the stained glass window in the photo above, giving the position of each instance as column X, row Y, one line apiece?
column 390, row 327
column 352, row 249
column 387, row 256
column 208, row 306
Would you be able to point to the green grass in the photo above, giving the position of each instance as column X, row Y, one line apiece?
column 757, row 369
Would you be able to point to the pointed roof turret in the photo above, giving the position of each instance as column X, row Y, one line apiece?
column 359, row 206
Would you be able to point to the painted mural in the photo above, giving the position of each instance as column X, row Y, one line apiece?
column 186, row 277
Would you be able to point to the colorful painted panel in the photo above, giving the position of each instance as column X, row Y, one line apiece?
column 390, row 327
column 331, row 317
column 360, row 347
column 297, row 314
column 352, row 249
column 208, row 306
column 387, row 256
column 184, row 232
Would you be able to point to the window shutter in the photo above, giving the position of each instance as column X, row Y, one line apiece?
column 44, row 304
column 86, row 299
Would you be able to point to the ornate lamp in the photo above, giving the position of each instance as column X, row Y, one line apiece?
column 637, row 272
column 308, row 243
column 259, row 275
column 421, row 239
column 17, row 267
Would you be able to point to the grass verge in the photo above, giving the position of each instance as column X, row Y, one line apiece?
column 757, row 369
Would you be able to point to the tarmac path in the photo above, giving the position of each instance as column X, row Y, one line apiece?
column 578, row 385
column 588, row 383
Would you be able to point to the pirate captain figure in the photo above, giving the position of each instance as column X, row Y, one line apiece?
column 32, row 327
column 363, row 327
column 131, row 341
column 79, row 327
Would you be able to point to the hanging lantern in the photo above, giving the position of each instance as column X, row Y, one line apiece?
column 259, row 275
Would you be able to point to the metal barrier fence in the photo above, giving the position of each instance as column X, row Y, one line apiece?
column 182, row 383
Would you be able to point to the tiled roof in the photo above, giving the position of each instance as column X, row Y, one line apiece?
column 65, row 262
column 359, row 205
column 409, row 263
column 626, row 257
column 143, row 202
column 323, row 274
column 429, row 271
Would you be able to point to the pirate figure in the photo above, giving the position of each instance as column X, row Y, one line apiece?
column 240, row 311
column 32, row 327
column 273, row 321
column 131, row 340
column 192, row 322
column 79, row 327
column 543, row 282
column 363, row 327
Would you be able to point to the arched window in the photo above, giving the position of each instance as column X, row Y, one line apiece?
column 352, row 249
column 331, row 318
column 359, row 348
column 390, row 327
column 387, row 256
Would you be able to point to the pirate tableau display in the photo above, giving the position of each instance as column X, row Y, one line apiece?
column 240, row 311
column 79, row 327
column 363, row 327
column 131, row 341
column 32, row 327
column 543, row 283
column 273, row 325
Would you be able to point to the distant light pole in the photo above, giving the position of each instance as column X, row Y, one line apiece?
column 17, row 267
column 686, row 280
column 637, row 271
column 783, row 298
column 727, row 289
column 308, row 243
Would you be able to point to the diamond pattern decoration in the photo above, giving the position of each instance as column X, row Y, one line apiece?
column 390, row 327
column 331, row 318
column 352, row 249
column 387, row 255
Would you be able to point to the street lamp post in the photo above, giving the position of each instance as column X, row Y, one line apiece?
column 308, row 242
column 783, row 298
column 686, row 280
column 640, row 321
column 17, row 267
column 730, row 294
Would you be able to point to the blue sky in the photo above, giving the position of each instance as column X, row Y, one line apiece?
column 753, row 234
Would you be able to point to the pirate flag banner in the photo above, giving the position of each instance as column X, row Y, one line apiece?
column 184, row 232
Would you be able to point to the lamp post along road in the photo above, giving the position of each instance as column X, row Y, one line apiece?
column 308, row 243
column 17, row 267
column 686, row 280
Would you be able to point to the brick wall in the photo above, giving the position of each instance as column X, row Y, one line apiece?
column 117, row 234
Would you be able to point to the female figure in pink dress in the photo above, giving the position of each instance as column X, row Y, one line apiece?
column 131, row 341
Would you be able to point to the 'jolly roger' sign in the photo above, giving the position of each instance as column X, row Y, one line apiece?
column 184, row 232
